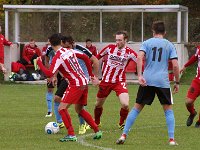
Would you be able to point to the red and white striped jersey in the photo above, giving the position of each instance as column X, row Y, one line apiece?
column 116, row 63
column 195, row 58
column 65, row 61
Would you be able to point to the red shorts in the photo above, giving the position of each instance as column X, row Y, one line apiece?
column 106, row 88
column 194, row 90
column 75, row 95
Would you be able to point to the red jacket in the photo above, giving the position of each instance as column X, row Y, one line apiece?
column 29, row 51
column 3, row 42
column 92, row 49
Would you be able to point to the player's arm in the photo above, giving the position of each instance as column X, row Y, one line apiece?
column 103, row 52
column 53, row 67
column 95, row 63
column 176, row 74
column 193, row 59
column 6, row 42
column 24, row 55
column 87, row 62
column 140, row 58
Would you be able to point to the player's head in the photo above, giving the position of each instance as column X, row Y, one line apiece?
column 158, row 27
column 121, row 38
column 55, row 39
column 32, row 43
column 67, row 42
column 88, row 42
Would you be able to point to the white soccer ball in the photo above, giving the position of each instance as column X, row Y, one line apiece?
column 36, row 76
column 52, row 128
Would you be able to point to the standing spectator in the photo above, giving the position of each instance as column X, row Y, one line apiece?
column 114, row 78
column 156, row 51
column 3, row 42
column 193, row 91
column 30, row 53
column 91, row 47
column 65, row 61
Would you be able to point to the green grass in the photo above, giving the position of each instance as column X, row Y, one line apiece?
column 23, row 107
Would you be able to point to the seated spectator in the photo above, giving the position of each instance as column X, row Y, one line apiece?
column 30, row 53
column 92, row 48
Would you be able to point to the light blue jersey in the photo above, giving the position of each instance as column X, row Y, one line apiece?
column 80, row 61
column 157, row 52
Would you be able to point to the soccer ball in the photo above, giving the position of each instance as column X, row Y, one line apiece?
column 36, row 76
column 52, row 128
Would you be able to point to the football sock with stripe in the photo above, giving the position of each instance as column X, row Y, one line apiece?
column 170, row 120
column 97, row 114
column 57, row 115
column 49, row 97
column 123, row 115
column 67, row 121
column 130, row 120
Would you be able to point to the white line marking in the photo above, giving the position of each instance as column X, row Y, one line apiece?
column 82, row 141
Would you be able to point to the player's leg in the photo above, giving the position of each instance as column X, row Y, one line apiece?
column 49, row 98
column 63, row 110
column 166, row 100
column 86, row 115
column 82, row 124
column 122, row 93
column 145, row 95
column 193, row 93
column 104, row 91
column 61, row 87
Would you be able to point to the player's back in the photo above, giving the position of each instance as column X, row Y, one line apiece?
column 66, row 62
column 158, row 51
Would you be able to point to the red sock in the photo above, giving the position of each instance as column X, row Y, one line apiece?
column 97, row 114
column 123, row 115
column 88, row 118
column 67, row 121
column 190, row 108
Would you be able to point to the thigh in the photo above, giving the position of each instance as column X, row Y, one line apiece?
column 120, row 87
column 62, row 88
column 164, row 95
column 75, row 95
column 194, row 90
column 145, row 95
column 104, row 90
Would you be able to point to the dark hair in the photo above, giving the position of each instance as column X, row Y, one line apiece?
column 88, row 40
column 124, row 33
column 158, row 27
column 55, row 39
column 68, row 39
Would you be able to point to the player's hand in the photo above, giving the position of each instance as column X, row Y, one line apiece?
column 182, row 70
column 54, row 81
column 95, row 81
column 176, row 88
column 142, row 81
column 3, row 70
column 38, row 58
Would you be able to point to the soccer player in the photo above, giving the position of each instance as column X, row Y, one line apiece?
column 156, row 52
column 65, row 61
column 68, row 42
column 50, row 82
column 118, row 56
column 193, row 91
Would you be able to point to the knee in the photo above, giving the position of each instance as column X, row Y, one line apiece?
column 57, row 99
column 125, row 106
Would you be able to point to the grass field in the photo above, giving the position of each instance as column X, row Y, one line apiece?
column 23, row 107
